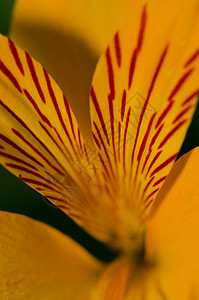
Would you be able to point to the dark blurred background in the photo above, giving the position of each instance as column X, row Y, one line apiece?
column 15, row 196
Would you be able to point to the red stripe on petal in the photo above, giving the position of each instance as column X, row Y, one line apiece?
column 103, row 144
column 61, row 206
column 59, row 137
column 16, row 159
column 51, row 137
column 103, row 163
column 55, row 179
column 142, row 29
column 28, row 129
column 118, row 49
column 148, row 97
column 156, row 73
column 111, row 96
column 146, row 160
column 159, row 181
column 34, row 77
column 54, row 100
column 15, row 146
column 42, row 184
column 123, row 105
column 98, row 110
column 147, row 185
column 171, row 133
column 111, row 111
column 143, row 144
column 190, row 97
column 69, row 116
column 181, row 114
column 36, row 150
column 154, row 138
column 151, row 194
column 125, row 134
column 20, row 168
column 79, row 138
column 96, row 141
column 192, row 58
column 132, row 68
column 10, row 76
column 163, row 115
column 153, row 162
column 180, row 84
column 86, row 153
column 148, row 204
column 36, row 107
column 119, row 139
column 164, row 164
column 16, row 56
column 139, row 46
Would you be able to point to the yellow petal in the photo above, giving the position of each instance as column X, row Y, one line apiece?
column 67, row 39
column 113, row 283
column 40, row 141
column 126, row 279
column 95, row 22
column 143, row 97
column 38, row 262
column 172, row 234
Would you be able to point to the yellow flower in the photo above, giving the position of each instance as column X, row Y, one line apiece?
column 143, row 95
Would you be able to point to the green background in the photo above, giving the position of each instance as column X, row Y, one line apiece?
column 15, row 196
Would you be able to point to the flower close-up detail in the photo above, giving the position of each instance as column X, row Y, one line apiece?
column 108, row 161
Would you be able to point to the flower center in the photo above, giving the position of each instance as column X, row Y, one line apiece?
column 129, row 239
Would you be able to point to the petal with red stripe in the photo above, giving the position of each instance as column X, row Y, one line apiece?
column 67, row 37
column 40, row 141
column 143, row 97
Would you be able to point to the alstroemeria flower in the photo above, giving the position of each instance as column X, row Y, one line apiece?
column 143, row 96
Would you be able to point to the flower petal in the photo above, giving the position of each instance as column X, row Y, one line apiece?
column 69, row 36
column 40, row 141
column 89, row 20
column 127, row 279
column 38, row 262
column 143, row 96
column 113, row 283
column 172, row 234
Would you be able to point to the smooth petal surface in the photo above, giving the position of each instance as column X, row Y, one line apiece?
column 125, row 279
column 67, row 38
column 113, row 283
column 40, row 141
column 172, row 233
column 38, row 262
column 143, row 97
